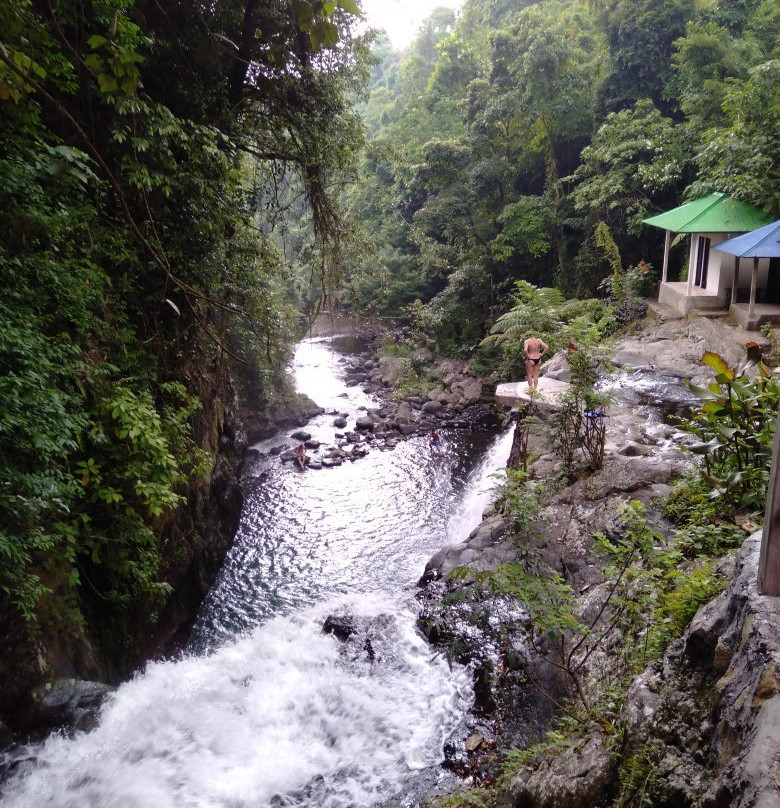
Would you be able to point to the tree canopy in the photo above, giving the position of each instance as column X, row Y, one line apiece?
column 529, row 123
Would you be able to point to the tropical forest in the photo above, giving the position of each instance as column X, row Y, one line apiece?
column 222, row 222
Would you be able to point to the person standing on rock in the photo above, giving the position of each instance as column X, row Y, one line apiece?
column 534, row 349
column 300, row 455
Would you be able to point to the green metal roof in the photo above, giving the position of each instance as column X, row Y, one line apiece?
column 716, row 213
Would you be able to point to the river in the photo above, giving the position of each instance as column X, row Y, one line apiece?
column 264, row 709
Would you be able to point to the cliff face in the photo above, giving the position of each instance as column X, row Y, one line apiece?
column 702, row 722
column 193, row 542
column 713, row 704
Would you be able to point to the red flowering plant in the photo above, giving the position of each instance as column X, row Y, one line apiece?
column 638, row 280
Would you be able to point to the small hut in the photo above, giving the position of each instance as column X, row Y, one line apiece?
column 713, row 281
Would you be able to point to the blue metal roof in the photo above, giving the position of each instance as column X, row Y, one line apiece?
column 761, row 243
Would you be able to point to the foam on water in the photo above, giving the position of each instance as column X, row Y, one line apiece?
column 286, row 712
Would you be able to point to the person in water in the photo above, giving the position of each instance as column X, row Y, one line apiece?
column 534, row 349
column 434, row 438
column 300, row 455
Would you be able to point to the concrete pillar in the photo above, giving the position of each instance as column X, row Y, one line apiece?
column 692, row 263
column 735, row 282
column 753, row 283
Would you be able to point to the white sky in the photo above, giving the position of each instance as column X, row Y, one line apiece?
column 402, row 18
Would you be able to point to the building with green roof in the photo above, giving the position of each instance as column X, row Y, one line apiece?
column 713, row 278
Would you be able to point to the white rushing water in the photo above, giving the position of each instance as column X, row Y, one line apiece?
column 277, row 713
column 286, row 711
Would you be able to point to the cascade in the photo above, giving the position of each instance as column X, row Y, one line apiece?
column 265, row 709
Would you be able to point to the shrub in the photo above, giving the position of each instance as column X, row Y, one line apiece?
column 736, row 426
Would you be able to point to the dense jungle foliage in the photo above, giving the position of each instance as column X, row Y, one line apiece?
column 147, row 151
column 513, row 134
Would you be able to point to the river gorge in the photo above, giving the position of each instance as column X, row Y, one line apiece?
column 306, row 680
column 263, row 708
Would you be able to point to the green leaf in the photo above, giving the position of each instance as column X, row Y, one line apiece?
column 304, row 14
column 96, row 41
column 324, row 35
column 717, row 363
column 712, row 408
column 705, row 448
column 108, row 83
column 350, row 6
column 705, row 392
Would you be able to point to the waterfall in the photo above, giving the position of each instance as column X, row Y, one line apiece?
column 266, row 710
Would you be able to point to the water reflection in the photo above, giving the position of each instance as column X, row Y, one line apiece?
column 367, row 526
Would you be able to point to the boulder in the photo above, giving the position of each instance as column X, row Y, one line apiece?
column 301, row 435
column 392, row 368
column 364, row 423
column 432, row 406
column 473, row 551
column 580, row 776
column 557, row 368
column 404, row 413
column 340, row 626
column 469, row 390
column 339, row 422
column 70, row 703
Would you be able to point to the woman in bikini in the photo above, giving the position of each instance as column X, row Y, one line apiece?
column 534, row 349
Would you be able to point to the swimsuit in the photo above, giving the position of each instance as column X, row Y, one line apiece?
column 535, row 361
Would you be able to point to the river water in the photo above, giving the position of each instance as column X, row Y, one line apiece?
column 265, row 709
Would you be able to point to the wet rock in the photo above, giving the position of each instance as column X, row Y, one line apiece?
column 301, row 435
column 340, row 626
column 69, row 703
column 484, row 702
column 364, row 423
column 474, row 550
column 473, row 742
column 432, row 406
column 312, row 444
column 634, row 450
column 339, row 423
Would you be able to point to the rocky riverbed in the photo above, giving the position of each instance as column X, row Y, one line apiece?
column 461, row 400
